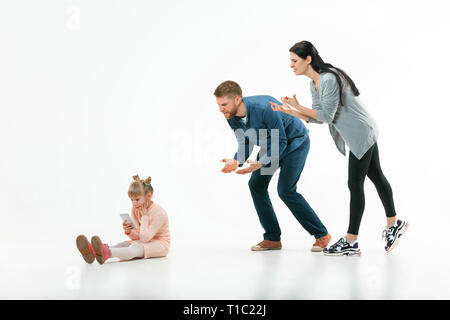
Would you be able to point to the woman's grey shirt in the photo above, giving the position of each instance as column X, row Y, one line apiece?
column 349, row 123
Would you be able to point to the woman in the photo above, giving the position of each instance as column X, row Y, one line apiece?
column 151, row 239
column 335, row 101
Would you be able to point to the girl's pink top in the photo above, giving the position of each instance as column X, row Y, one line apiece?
column 155, row 226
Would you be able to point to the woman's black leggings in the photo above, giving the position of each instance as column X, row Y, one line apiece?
column 369, row 165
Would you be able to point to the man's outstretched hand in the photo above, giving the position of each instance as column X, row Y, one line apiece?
column 230, row 165
column 254, row 165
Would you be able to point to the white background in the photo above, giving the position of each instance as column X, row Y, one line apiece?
column 93, row 92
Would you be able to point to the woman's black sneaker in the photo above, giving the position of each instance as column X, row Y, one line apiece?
column 342, row 248
column 392, row 235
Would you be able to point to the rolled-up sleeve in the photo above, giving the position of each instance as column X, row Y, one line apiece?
column 315, row 105
column 329, row 101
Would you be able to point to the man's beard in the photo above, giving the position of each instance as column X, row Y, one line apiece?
column 232, row 113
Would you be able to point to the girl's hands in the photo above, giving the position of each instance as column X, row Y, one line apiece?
column 137, row 212
column 127, row 227
column 145, row 210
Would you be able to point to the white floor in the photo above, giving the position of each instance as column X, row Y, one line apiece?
column 80, row 77
column 54, row 270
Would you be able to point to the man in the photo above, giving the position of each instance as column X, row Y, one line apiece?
column 284, row 144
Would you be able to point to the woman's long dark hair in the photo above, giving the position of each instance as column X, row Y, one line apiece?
column 305, row 48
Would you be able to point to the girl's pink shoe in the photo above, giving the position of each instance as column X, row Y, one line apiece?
column 85, row 248
column 102, row 251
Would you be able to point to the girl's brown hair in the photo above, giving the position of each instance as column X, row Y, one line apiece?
column 140, row 187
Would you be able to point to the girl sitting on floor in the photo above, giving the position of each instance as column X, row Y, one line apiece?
column 151, row 239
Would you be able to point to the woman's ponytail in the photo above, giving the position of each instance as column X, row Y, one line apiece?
column 305, row 48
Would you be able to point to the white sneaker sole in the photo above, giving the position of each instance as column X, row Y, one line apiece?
column 347, row 253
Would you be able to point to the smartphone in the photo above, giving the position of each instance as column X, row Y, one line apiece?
column 127, row 217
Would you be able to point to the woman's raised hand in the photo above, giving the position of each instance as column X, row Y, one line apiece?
column 276, row 107
column 293, row 102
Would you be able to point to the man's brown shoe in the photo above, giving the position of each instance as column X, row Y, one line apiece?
column 321, row 243
column 267, row 245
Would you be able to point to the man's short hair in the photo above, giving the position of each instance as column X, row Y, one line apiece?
column 228, row 88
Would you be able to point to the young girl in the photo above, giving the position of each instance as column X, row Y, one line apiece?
column 151, row 239
column 336, row 102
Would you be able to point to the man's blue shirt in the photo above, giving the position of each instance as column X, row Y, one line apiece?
column 291, row 130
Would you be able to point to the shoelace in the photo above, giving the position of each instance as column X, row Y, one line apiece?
column 387, row 234
column 339, row 244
